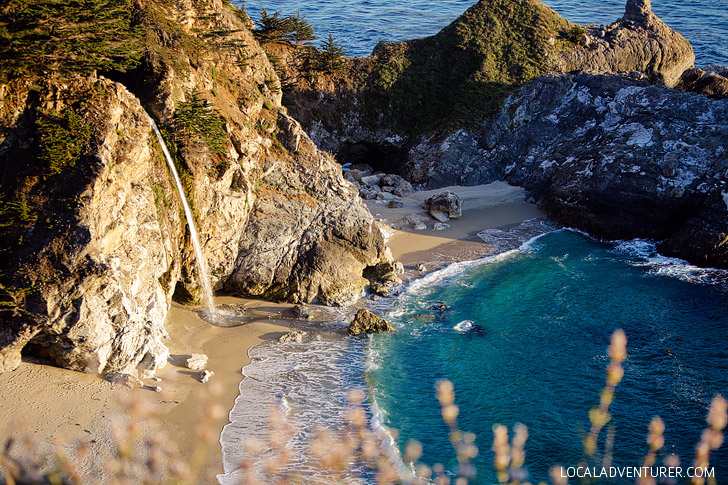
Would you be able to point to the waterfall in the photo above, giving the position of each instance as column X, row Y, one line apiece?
column 201, row 265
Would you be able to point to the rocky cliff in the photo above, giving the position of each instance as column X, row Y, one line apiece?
column 612, row 150
column 94, row 241
column 620, row 159
column 379, row 107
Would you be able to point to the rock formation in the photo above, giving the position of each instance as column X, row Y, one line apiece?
column 95, row 247
column 444, row 206
column 639, row 42
column 611, row 151
column 615, row 157
column 712, row 81
column 367, row 322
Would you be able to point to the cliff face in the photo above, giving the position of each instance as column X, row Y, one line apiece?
column 621, row 159
column 383, row 105
column 95, row 243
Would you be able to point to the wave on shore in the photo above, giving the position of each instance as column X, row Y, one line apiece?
column 309, row 381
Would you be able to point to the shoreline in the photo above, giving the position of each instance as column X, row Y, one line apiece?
column 178, row 407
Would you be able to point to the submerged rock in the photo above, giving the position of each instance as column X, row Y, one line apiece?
column 367, row 322
column 297, row 336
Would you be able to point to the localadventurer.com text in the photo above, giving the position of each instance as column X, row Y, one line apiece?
column 637, row 472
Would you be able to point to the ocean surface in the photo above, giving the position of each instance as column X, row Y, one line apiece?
column 524, row 341
column 360, row 24
column 525, row 336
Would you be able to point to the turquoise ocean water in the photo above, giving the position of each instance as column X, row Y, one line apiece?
column 525, row 341
column 525, row 337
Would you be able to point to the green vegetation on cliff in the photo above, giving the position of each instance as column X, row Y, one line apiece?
column 451, row 80
column 461, row 75
column 196, row 121
column 68, row 35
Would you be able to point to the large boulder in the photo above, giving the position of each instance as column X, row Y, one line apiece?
column 367, row 322
column 712, row 81
column 444, row 206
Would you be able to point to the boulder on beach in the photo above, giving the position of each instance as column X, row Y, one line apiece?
column 197, row 362
column 444, row 206
column 367, row 322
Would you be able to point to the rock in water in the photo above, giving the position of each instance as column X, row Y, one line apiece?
column 301, row 312
column 297, row 336
column 444, row 206
column 197, row 362
column 380, row 289
column 367, row 322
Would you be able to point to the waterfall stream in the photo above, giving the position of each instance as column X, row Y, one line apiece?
column 201, row 264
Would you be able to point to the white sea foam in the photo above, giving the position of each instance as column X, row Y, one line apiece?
column 516, row 236
column 644, row 254
column 464, row 326
column 388, row 443
column 308, row 383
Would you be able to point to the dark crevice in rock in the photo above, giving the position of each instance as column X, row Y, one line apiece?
column 380, row 156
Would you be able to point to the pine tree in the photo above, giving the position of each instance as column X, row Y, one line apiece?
column 330, row 58
column 273, row 28
column 293, row 30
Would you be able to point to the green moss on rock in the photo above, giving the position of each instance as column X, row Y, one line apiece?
column 461, row 75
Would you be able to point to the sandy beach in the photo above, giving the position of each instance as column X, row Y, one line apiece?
column 61, row 406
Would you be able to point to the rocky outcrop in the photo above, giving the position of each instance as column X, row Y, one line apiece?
column 616, row 157
column 95, row 246
column 401, row 112
column 639, row 42
column 712, row 81
column 367, row 322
